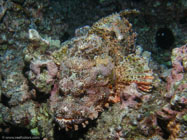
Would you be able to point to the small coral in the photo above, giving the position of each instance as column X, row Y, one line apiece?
column 174, row 129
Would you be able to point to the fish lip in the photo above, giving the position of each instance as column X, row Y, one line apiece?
column 68, row 121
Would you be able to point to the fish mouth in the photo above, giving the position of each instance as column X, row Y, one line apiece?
column 71, row 123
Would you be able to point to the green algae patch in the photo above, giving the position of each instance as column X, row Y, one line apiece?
column 35, row 131
column 185, row 117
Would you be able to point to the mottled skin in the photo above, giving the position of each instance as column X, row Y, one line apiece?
column 88, row 71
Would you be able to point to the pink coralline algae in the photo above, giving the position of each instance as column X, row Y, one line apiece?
column 89, row 71
column 43, row 71
column 179, row 59
column 174, row 113
column 130, row 96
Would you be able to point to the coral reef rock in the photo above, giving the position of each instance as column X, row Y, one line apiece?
column 67, row 85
